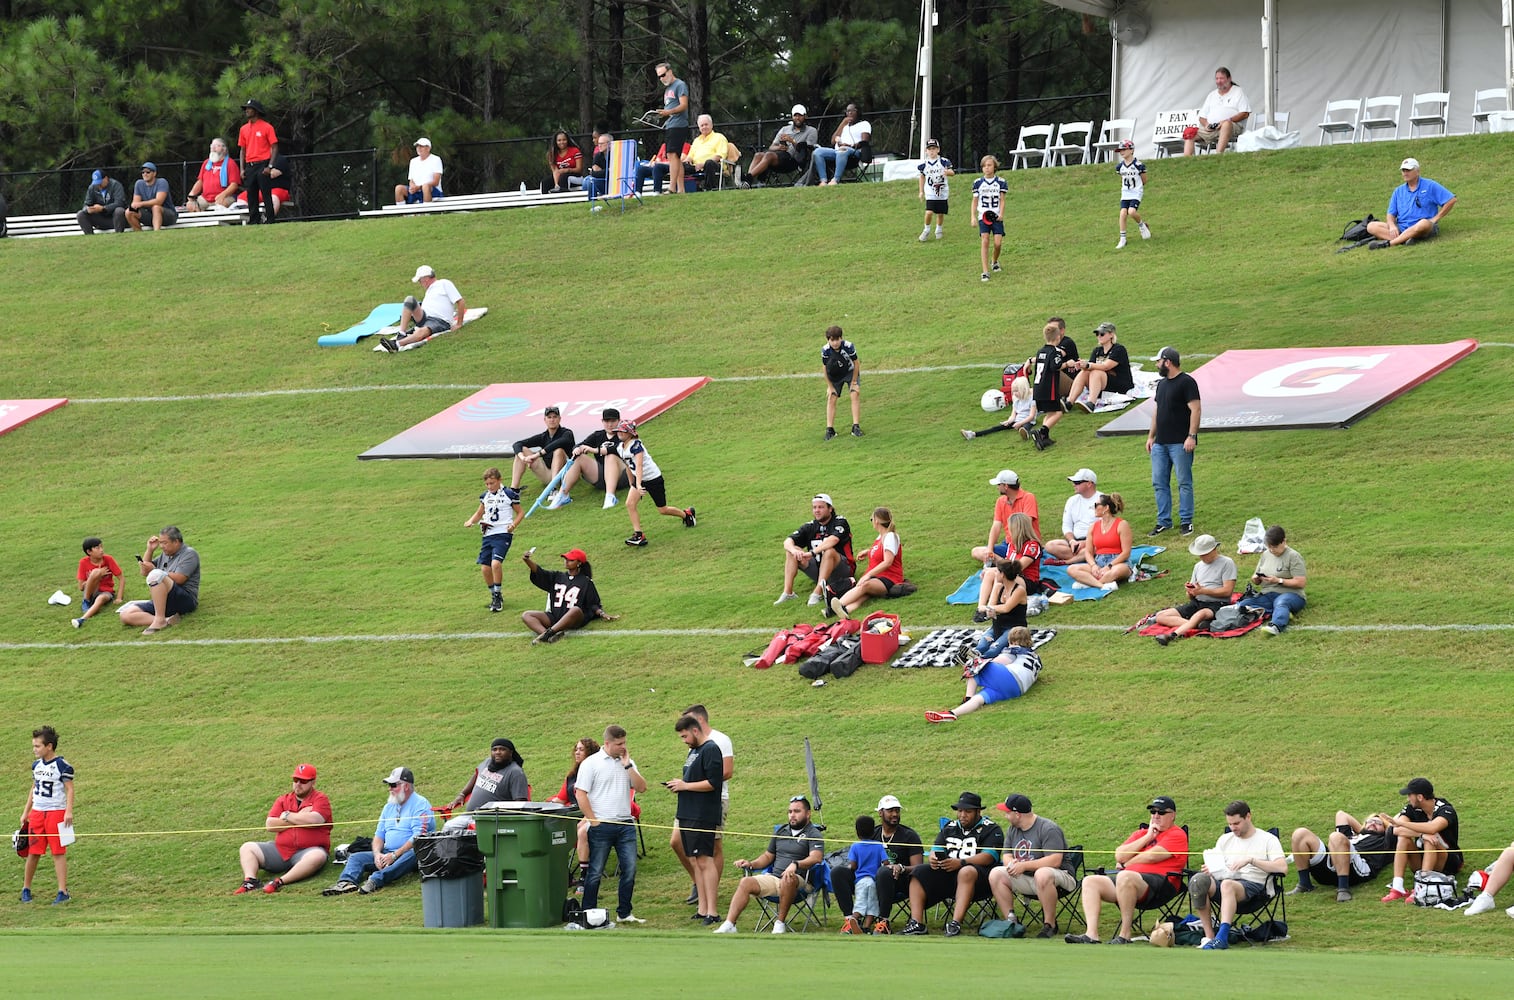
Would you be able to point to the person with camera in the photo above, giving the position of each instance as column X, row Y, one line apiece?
column 1208, row 589
column 1281, row 575
column 843, row 373
column 173, row 580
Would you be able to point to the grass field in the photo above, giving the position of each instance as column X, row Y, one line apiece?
column 342, row 621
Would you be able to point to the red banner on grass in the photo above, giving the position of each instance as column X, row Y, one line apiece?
column 15, row 412
column 1295, row 387
column 489, row 422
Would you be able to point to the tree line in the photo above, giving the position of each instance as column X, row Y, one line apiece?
column 115, row 81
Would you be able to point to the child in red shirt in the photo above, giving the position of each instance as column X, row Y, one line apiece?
column 99, row 579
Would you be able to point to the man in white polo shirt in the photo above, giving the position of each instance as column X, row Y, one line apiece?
column 1077, row 517
column 605, row 784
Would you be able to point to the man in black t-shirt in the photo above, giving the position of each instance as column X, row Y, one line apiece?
column 1172, row 439
column 1355, row 852
column 698, row 812
column 965, row 851
column 1427, row 832
column 544, row 454
column 822, row 549
column 904, row 849
column 589, row 463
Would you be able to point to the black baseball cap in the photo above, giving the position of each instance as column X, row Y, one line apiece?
column 1015, row 804
column 1418, row 786
column 1162, row 804
column 969, row 800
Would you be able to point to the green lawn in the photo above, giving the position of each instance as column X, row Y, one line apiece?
column 343, row 621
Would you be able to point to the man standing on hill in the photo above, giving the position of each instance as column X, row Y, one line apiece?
column 258, row 143
column 698, row 812
column 1414, row 210
column 727, row 768
column 1174, row 435
column 675, row 116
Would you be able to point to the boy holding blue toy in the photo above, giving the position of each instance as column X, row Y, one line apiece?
column 498, row 513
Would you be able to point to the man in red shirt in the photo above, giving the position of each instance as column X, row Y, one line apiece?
column 1150, row 860
column 219, row 180
column 1013, row 499
column 258, row 143
column 302, row 818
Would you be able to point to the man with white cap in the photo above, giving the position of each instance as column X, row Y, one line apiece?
column 789, row 152
column 441, row 310
column 1077, row 517
column 904, row 849
column 822, row 549
column 1013, row 499
column 424, row 183
column 1414, row 210
column 1208, row 588
column 406, row 816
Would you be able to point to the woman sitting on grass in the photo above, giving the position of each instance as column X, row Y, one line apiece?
column 1009, row 675
column 1007, row 605
column 885, row 568
column 1107, row 553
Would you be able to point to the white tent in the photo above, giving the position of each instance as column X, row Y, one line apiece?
column 1293, row 56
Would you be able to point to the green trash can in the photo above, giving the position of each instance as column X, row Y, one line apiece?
column 526, row 847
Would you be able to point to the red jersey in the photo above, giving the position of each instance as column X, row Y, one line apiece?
column 564, row 159
column 1032, row 551
column 1025, row 503
column 292, row 839
column 895, row 571
column 257, row 139
column 109, row 583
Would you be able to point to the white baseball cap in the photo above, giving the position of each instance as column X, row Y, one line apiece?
column 798, row 110
column 889, row 802
column 424, row 271
column 1410, row 164
column 824, row 498
column 1083, row 476
column 1006, row 477
column 423, row 141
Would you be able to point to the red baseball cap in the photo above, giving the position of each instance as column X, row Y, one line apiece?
column 577, row 555
column 305, row 772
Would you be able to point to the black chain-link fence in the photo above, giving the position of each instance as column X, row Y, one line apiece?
column 341, row 184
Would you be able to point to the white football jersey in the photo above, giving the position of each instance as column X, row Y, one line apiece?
column 47, row 783
column 934, row 172
column 1130, row 179
column 499, row 510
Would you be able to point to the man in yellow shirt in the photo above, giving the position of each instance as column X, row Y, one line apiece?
column 707, row 154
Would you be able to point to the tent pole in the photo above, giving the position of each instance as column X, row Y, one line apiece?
column 1269, row 62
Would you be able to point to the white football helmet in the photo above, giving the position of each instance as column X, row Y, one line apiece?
column 993, row 400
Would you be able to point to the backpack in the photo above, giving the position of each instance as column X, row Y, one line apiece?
column 1011, row 372
column 840, row 657
column 1233, row 616
column 1356, row 230
column 1433, row 888
column 1002, row 929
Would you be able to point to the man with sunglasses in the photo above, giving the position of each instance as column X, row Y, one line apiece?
column 302, row 819
column 792, row 851
column 406, row 816
column 150, row 198
column 1414, row 210
column 1150, row 862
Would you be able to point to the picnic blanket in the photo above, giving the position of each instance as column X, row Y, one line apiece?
column 950, row 647
column 1056, row 572
column 468, row 317
column 382, row 316
column 1148, row 627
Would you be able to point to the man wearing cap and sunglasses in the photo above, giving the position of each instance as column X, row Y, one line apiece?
column 904, row 849
column 1414, row 210
column 257, row 143
column 789, row 152
column 1150, row 865
column 150, row 197
column 406, row 816
column 424, row 182
column 965, row 851
column 299, row 849
column 442, row 310
column 822, row 549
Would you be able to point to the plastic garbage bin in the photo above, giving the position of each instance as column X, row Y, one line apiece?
column 526, row 846
column 452, row 880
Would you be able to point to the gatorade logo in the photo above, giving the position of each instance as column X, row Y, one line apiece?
column 1312, row 377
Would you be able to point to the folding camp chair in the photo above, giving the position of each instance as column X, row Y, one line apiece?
column 819, row 880
column 979, row 911
column 620, row 178
column 1267, row 915
column 1069, row 904
column 1169, row 909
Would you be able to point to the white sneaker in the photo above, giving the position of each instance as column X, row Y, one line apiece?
column 1202, row 943
column 968, row 435
column 1482, row 904
column 630, row 918
column 1145, row 233
column 76, row 622
column 814, row 600
column 1111, row 585
column 938, row 234
column 611, row 500
column 785, row 597
column 1271, row 629
column 1510, row 911
column 59, row 597
column 554, row 501
column 779, row 927
column 726, row 927
column 924, row 235
column 1120, row 245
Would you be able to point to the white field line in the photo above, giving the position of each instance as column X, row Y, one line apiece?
column 676, row 633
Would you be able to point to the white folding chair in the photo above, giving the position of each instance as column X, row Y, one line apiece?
column 1484, row 103
column 1025, row 153
column 1111, row 135
column 1167, row 133
column 1280, row 119
column 1380, row 114
column 1340, row 119
column 1429, row 110
column 1072, row 140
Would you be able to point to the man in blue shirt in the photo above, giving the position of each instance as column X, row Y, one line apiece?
column 1414, row 211
column 406, row 815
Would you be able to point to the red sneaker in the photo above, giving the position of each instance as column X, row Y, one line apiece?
column 248, row 885
column 274, row 886
column 1394, row 895
column 940, row 717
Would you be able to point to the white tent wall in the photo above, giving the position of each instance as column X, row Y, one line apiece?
column 1326, row 50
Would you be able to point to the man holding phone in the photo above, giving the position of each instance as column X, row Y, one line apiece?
column 965, row 851
column 173, row 580
column 698, row 811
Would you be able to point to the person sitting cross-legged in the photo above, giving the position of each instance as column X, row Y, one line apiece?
column 1208, row 589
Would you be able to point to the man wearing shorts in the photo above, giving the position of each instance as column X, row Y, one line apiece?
column 957, row 866
column 698, row 811
column 441, row 310
column 1354, row 853
column 49, row 805
column 298, row 850
column 1414, row 210
column 782, row 870
column 789, row 152
column 1251, row 857
column 1209, row 588
column 675, row 117
column 727, row 768
column 173, row 580
column 1426, row 838
column 822, row 550
column 1151, row 862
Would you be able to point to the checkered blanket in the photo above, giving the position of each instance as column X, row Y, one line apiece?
column 950, row 647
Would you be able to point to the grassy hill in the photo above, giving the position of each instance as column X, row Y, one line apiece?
column 342, row 621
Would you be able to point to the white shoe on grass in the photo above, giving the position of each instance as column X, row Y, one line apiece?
column 1145, row 233
column 815, row 599
column 610, row 500
column 783, row 598
column 1482, row 904
column 779, row 927
column 726, row 927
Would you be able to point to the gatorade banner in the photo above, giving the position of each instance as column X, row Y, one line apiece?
column 15, row 412
column 488, row 423
column 1297, row 387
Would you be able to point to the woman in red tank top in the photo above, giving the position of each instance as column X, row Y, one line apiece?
column 1107, row 553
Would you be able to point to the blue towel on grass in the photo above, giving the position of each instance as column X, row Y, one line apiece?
column 968, row 592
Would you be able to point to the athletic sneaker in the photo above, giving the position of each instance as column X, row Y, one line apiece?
column 274, row 886
column 1394, row 895
column 62, row 897
column 1085, row 405
column 709, row 919
column 610, row 500
column 1299, row 890
column 980, row 616
column 983, row 278
column 924, row 235
column 638, row 539
column 1118, row 940
column 840, row 609
column 779, row 927
column 1378, row 245
column 693, row 899
column 856, row 430
column 1344, row 896
column 1186, row 529
column 559, row 500
column 688, row 518
column 1025, row 432
column 1080, row 939
column 938, row 232
column 1165, row 638
column 830, row 432
column 248, row 885
column 849, row 926
column 1120, row 245
column 1110, row 586
column 781, row 599
column 371, row 886
column 1157, row 530
column 1482, row 904
column 497, row 602
column 940, row 716
column 1272, row 629
column 996, row 268
column 726, row 927
column 76, row 622
column 881, row 927
column 968, row 435
column 630, row 918
column 1218, row 944
column 815, row 599
column 913, row 927
column 1048, row 931
column 26, row 895
column 389, row 344
column 1041, row 439
column 1145, row 232
column 953, row 928
column 342, row 888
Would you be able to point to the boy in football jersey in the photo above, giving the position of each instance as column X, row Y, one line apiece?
column 498, row 513
column 838, row 358
column 646, row 480
column 49, row 805
column 1049, row 403
column 988, row 208
column 934, row 189
column 1132, row 184
column 99, row 579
